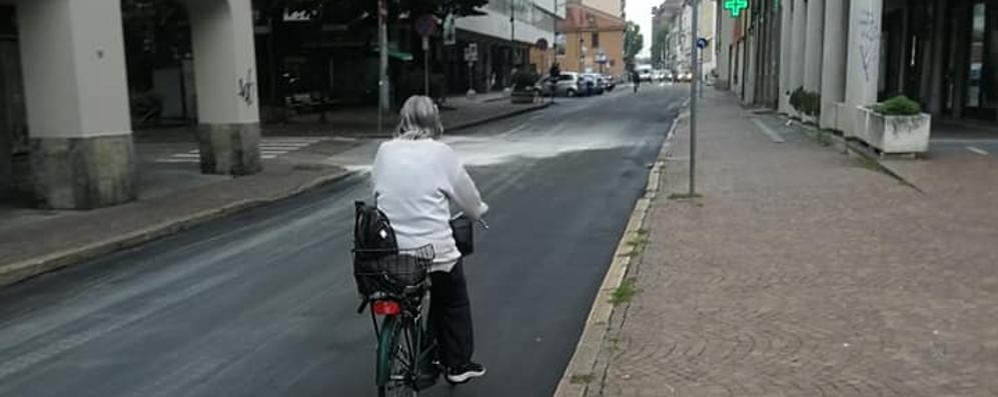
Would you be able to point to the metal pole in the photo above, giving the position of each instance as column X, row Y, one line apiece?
column 512, row 35
column 693, row 97
column 383, row 68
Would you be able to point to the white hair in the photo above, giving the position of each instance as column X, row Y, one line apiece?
column 419, row 119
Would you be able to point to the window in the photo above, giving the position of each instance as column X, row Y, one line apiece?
column 595, row 40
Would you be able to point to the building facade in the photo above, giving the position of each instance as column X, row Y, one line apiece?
column 943, row 54
column 680, row 40
column 505, row 43
column 593, row 41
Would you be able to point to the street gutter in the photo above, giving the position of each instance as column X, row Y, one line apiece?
column 582, row 370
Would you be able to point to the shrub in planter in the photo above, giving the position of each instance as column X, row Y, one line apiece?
column 898, row 106
column 806, row 102
column 895, row 126
column 523, row 87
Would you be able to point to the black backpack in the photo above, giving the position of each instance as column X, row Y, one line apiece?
column 373, row 235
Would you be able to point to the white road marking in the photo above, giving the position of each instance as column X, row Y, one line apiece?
column 977, row 150
column 773, row 135
column 270, row 148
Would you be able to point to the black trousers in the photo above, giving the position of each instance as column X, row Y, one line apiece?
column 450, row 317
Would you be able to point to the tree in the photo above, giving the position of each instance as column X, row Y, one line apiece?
column 658, row 46
column 634, row 41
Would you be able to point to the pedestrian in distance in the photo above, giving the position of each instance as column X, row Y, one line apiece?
column 416, row 181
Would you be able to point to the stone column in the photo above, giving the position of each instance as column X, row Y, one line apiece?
column 724, row 37
column 799, row 45
column 833, row 70
column 73, row 61
column 786, row 35
column 940, row 27
column 225, row 75
column 813, row 49
column 863, row 60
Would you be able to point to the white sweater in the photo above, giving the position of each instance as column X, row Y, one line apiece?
column 415, row 182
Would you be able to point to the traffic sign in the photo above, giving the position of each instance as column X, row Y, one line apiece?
column 702, row 43
column 426, row 25
column 471, row 53
column 542, row 44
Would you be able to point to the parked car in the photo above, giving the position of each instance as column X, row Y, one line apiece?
column 658, row 75
column 644, row 73
column 595, row 84
column 568, row 84
column 611, row 83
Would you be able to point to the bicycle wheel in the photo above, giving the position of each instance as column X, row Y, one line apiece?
column 397, row 358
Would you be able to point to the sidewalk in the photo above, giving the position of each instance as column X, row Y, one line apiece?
column 803, row 272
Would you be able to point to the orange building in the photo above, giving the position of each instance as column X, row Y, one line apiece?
column 593, row 40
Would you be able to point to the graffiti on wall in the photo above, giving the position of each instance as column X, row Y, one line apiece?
column 869, row 41
column 246, row 87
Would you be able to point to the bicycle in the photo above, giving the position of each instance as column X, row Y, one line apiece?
column 396, row 286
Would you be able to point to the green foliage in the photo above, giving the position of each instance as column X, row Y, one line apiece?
column 658, row 46
column 350, row 9
column 806, row 102
column 525, row 79
column 898, row 106
column 634, row 41
column 625, row 292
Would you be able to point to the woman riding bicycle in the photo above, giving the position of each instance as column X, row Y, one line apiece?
column 416, row 181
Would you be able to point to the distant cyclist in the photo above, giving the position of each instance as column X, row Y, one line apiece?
column 416, row 180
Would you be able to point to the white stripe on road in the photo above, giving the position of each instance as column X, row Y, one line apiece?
column 977, row 150
column 187, row 155
column 773, row 135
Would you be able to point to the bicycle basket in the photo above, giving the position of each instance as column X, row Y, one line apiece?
column 391, row 272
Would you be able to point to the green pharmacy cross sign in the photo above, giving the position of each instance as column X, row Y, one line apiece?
column 735, row 6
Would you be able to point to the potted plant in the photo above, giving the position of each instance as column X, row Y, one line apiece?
column 806, row 103
column 523, row 87
column 896, row 125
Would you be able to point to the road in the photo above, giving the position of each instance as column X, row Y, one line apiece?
column 263, row 303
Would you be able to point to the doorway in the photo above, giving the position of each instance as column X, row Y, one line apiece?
column 980, row 95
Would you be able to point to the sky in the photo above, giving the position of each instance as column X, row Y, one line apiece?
column 639, row 12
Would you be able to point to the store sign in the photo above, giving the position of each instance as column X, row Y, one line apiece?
column 735, row 6
column 450, row 30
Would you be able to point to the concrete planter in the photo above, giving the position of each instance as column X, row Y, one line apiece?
column 523, row 97
column 894, row 134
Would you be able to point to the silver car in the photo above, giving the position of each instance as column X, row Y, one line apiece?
column 567, row 85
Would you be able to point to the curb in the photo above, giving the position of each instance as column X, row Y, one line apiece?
column 20, row 271
column 581, row 370
column 489, row 119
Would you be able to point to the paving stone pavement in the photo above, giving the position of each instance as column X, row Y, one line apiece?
column 803, row 272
